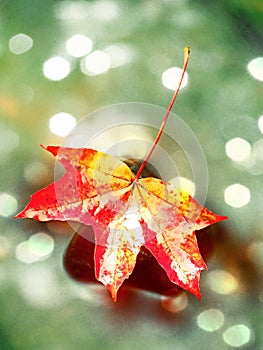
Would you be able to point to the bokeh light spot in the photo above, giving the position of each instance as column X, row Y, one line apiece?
column 255, row 68
column 62, row 123
column 260, row 297
column 221, row 282
column 96, row 63
column 8, row 204
column 260, row 123
column 39, row 286
column 238, row 149
column 171, row 78
column 36, row 173
column 237, row 195
column 118, row 55
column 78, row 45
column 237, row 335
column 210, row 320
column 72, row 10
column 257, row 153
column 5, row 250
column 37, row 248
column 175, row 304
column 20, row 43
column 26, row 94
column 9, row 140
column 56, row 68
column 254, row 164
column 41, row 244
column 255, row 252
column 105, row 10
column 23, row 253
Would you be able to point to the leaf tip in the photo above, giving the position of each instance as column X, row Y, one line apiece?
column 20, row 215
column 52, row 149
column 195, row 290
column 198, row 295
column 114, row 297
column 113, row 291
column 221, row 218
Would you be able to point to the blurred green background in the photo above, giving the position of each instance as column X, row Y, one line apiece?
column 119, row 55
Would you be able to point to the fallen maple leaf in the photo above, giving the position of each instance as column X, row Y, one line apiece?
column 126, row 212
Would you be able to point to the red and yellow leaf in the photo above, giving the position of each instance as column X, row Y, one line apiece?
column 126, row 214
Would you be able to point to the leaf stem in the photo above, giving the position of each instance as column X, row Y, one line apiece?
column 186, row 60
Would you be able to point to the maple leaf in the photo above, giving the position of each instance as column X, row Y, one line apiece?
column 100, row 190
column 127, row 213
